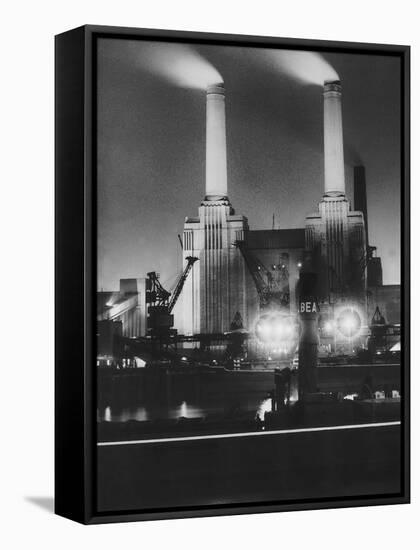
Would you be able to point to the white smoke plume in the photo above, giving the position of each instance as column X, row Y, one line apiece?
column 306, row 67
column 179, row 64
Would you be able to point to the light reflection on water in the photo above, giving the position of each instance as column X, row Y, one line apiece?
column 151, row 396
column 188, row 411
column 141, row 414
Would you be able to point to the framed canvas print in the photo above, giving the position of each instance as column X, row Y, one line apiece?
column 232, row 274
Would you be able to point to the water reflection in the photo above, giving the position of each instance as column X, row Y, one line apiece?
column 188, row 411
column 153, row 396
column 141, row 413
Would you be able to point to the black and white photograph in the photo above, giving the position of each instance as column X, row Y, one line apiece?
column 209, row 296
column 248, row 273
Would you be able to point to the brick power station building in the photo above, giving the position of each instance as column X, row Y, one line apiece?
column 234, row 260
column 222, row 284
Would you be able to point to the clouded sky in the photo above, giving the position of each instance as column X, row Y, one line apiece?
column 151, row 145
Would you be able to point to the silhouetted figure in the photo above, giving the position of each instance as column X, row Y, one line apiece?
column 282, row 380
column 367, row 388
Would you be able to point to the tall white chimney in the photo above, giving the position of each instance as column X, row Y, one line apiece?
column 334, row 184
column 216, row 166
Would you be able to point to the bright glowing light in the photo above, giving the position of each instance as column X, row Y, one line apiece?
column 263, row 329
column 183, row 358
column 183, row 409
column 351, row 396
column 140, row 363
column 299, row 264
column 264, row 407
column 187, row 411
column 277, row 330
column 141, row 414
column 349, row 322
column 294, row 396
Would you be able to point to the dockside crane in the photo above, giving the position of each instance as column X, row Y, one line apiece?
column 180, row 285
column 160, row 320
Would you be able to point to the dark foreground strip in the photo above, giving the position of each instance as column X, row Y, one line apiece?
column 247, row 434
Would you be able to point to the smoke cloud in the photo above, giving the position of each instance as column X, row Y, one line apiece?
column 305, row 67
column 178, row 64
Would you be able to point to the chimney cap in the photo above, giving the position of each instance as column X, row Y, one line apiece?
column 216, row 88
column 332, row 86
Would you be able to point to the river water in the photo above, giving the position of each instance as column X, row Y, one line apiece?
column 138, row 397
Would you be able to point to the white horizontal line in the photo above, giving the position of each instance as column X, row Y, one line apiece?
column 246, row 434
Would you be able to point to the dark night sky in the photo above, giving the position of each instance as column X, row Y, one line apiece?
column 151, row 150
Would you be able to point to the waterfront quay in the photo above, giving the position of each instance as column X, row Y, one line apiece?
column 163, row 402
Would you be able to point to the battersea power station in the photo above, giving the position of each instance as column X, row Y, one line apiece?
column 241, row 270
column 236, row 277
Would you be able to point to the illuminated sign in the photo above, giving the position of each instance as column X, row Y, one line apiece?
column 308, row 306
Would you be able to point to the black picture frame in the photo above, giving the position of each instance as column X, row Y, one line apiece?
column 75, row 276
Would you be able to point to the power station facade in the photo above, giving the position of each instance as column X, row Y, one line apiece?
column 335, row 236
column 234, row 273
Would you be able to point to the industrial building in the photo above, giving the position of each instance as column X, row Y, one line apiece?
column 120, row 313
column 234, row 274
column 237, row 264
column 281, row 252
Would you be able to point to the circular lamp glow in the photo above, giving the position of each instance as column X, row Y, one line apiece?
column 349, row 322
column 276, row 329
